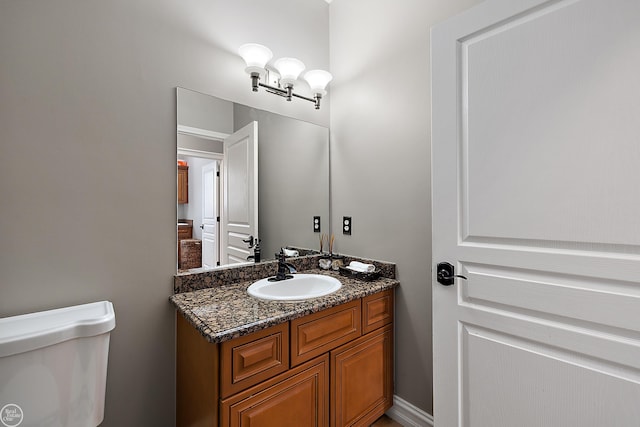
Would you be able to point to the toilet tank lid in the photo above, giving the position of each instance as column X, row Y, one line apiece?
column 26, row 332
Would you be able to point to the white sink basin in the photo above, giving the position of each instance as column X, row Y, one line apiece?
column 300, row 287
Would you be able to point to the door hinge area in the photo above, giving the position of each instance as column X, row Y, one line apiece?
column 217, row 173
column 218, row 218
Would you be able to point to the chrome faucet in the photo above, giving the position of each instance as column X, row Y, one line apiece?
column 285, row 270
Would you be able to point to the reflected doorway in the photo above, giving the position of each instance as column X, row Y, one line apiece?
column 198, row 247
column 210, row 214
column 220, row 208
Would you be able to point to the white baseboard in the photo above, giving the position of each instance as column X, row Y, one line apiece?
column 408, row 415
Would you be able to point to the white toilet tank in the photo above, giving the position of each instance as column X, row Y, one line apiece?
column 53, row 366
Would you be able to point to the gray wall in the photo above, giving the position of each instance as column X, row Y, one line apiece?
column 88, row 151
column 380, row 158
column 192, row 142
column 204, row 112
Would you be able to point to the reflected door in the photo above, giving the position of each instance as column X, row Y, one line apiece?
column 210, row 215
column 240, row 198
column 536, row 202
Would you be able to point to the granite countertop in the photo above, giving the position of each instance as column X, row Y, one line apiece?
column 226, row 312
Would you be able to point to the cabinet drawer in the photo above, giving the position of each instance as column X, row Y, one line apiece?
column 320, row 332
column 377, row 310
column 298, row 398
column 251, row 359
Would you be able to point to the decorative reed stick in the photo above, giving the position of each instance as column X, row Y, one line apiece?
column 331, row 243
column 322, row 241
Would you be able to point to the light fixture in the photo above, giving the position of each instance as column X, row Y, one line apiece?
column 318, row 80
column 256, row 56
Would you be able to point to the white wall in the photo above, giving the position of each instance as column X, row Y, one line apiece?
column 88, row 151
column 380, row 158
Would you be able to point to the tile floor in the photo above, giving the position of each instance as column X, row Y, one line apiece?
column 385, row 421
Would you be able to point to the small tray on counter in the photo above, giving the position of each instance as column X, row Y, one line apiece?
column 366, row 277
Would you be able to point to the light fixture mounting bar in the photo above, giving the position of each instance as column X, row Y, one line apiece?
column 285, row 93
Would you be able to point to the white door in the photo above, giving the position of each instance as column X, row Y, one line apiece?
column 210, row 215
column 240, row 198
column 536, row 200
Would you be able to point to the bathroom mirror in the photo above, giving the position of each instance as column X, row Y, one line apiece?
column 292, row 181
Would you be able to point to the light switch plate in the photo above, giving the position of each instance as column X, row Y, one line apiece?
column 346, row 225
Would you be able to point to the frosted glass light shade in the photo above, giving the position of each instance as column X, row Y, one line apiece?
column 256, row 56
column 318, row 81
column 289, row 69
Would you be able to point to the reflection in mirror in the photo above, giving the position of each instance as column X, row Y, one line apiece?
column 222, row 188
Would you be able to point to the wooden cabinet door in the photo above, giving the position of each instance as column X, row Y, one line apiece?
column 362, row 379
column 253, row 358
column 298, row 398
column 183, row 184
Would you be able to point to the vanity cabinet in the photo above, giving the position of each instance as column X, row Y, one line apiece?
column 332, row 368
column 183, row 184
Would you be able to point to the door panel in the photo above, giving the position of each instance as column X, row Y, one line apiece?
column 535, row 97
column 533, row 179
column 240, row 198
column 540, row 385
column 552, row 296
column 209, row 215
column 535, row 202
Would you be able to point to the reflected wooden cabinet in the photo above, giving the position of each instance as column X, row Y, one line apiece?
column 185, row 231
column 183, row 184
column 331, row 368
